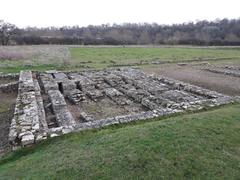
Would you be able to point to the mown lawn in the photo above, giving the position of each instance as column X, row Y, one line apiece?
column 100, row 56
column 203, row 145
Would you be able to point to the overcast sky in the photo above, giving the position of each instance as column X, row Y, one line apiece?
column 43, row 13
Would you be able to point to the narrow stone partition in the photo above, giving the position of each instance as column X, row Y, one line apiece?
column 63, row 116
column 48, row 82
column 28, row 123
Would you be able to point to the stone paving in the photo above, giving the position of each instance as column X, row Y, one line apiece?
column 54, row 103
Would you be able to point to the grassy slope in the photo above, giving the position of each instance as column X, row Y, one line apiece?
column 203, row 145
column 104, row 55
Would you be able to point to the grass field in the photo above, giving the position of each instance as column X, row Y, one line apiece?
column 103, row 56
column 203, row 145
column 41, row 57
column 66, row 57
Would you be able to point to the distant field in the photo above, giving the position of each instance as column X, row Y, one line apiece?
column 204, row 145
column 102, row 56
column 42, row 57
column 45, row 57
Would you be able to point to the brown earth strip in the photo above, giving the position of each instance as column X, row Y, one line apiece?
column 194, row 75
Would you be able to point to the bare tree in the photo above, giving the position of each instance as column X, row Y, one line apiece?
column 219, row 32
column 7, row 30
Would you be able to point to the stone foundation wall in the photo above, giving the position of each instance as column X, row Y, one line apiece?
column 70, row 98
column 138, row 79
column 9, row 76
column 9, row 87
column 63, row 116
column 235, row 72
column 27, row 127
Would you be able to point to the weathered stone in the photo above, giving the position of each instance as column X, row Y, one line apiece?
column 136, row 95
column 54, row 135
column 48, row 82
column 28, row 114
column 235, row 72
column 95, row 94
column 57, row 130
column 84, row 116
column 27, row 139
column 9, row 87
column 68, row 86
column 63, row 116
column 111, row 92
column 59, row 76
column 76, row 96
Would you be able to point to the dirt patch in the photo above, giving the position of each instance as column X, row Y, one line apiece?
column 195, row 75
column 7, row 100
column 100, row 109
column 50, row 117
column 5, row 121
column 6, row 115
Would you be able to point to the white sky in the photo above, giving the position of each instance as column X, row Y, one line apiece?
column 43, row 13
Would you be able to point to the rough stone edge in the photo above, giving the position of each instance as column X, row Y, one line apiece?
column 26, row 88
column 224, row 72
column 61, row 110
column 41, row 112
column 9, row 87
column 97, row 124
column 10, row 76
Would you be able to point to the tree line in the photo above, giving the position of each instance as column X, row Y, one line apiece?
column 218, row 32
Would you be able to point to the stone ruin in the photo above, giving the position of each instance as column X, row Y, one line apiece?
column 226, row 70
column 12, row 84
column 54, row 103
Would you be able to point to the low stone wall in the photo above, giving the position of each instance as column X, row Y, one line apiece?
column 136, row 117
column 124, row 119
column 63, row 116
column 48, row 83
column 41, row 111
column 226, row 71
column 26, row 125
column 217, row 101
column 9, row 87
column 14, row 76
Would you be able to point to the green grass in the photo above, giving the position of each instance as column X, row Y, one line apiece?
column 16, row 69
column 203, row 145
column 100, row 56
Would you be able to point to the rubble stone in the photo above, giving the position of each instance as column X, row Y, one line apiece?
column 63, row 116
column 9, row 87
column 61, row 102
column 27, row 123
